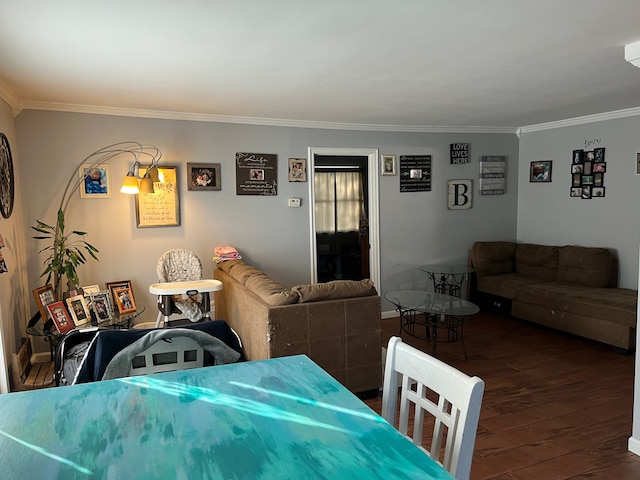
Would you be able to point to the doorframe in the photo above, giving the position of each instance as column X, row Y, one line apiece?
column 374, row 205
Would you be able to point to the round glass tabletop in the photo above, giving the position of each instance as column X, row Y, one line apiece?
column 447, row 269
column 429, row 302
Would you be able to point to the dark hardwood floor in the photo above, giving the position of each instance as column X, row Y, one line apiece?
column 555, row 406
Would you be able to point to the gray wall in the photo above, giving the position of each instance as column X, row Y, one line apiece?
column 416, row 228
column 546, row 213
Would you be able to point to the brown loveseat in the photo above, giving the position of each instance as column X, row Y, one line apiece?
column 569, row 288
column 337, row 324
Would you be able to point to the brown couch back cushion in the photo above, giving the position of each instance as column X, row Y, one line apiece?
column 593, row 267
column 493, row 258
column 270, row 291
column 335, row 289
column 239, row 270
column 540, row 261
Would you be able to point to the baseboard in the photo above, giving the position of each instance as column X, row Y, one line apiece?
column 634, row 445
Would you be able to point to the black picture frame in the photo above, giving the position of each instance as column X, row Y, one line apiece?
column 540, row 171
column 204, row 177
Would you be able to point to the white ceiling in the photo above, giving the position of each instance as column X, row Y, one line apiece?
column 402, row 63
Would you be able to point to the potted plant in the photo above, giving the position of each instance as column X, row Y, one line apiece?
column 66, row 252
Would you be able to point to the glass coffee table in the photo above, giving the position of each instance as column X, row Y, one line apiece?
column 432, row 313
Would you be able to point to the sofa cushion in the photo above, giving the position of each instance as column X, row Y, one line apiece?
column 270, row 291
column 593, row 267
column 238, row 270
column 612, row 304
column 334, row 290
column 493, row 258
column 507, row 285
column 539, row 261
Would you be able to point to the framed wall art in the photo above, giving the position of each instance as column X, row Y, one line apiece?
column 161, row 208
column 78, row 309
column 97, row 181
column 389, row 165
column 204, row 176
column 540, row 171
column 587, row 173
column 297, row 169
column 60, row 316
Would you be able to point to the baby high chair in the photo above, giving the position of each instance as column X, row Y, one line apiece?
column 182, row 289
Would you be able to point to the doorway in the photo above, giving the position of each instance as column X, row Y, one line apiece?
column 344, row 248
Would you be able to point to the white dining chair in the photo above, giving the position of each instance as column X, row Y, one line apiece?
column 450, row 397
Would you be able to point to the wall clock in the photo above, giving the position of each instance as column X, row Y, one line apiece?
column 7, row 181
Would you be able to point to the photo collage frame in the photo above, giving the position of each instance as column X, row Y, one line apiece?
column 587, row 173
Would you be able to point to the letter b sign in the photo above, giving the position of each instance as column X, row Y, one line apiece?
column 460, row 194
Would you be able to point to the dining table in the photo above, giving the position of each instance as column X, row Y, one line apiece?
column 282, row 418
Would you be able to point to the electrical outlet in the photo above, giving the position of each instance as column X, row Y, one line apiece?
column 294, row 202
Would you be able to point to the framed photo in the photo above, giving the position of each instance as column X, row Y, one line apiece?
column 576, row 192
column 90, row 290
column 60, row 316
column 44, row 296
column 78, row 309
column 96, row 181
column 124, row 300
column 204, row 176
column 599, row 167
column 101, row 306
column 577, row 156
column 297, row 169
column 577, row 168
column 389, row 165
column 589, row 156
column 540, row 171
column 111, row 286
column 586, row 191
column 598, row 154
column 161, row 208
column 597, row 192
column 637, row 163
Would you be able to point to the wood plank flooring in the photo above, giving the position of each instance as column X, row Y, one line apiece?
column 555, row 406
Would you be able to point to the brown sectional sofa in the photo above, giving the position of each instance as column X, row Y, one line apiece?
column 569, row 288
column 336, row 324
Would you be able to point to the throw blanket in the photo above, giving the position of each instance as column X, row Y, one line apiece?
column 222, row 254
column 120, row 365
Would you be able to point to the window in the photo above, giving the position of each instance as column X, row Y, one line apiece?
column 339, row 201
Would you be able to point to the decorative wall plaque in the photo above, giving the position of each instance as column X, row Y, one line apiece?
column 256, row 174
column 415, row 173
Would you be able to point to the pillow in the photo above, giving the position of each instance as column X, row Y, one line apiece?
column 270, row 291
column 335, row 289
column 242, row 272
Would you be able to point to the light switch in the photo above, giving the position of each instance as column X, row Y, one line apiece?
column 294, row 202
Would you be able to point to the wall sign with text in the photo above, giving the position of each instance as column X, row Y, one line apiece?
column 459, row 153
column 415, row 173
column 492, row 175
column 256, row 174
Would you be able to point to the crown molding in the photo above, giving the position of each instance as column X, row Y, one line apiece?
column 8, row 96
column 274, row 122
column 598, row 117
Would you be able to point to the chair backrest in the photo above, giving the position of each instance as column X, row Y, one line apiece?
column 450, row 397
column 167, row 354
column 179, row 265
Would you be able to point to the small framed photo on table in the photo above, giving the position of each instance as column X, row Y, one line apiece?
column 124, row 300
column 101, row 306
column 78, row 310
column 44, row 296
column 60, row 317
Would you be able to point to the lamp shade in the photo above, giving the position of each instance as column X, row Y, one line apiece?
column 146, row 184
column 130, row 184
